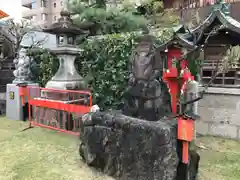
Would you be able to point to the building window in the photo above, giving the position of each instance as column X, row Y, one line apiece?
column 44, row 16
column 54, row 18
column 34, row 5
column 54, row 5
column 43, row 3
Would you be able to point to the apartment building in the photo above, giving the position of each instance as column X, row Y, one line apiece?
column 42, row 12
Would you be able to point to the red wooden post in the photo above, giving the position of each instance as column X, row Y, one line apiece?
column 171, row 77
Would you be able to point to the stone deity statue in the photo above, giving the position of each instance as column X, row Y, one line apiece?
column 147, row 96
column 23, row 65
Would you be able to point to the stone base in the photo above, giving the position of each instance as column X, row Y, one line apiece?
column 53, row 117
column 14, row 103
column 2, row 104
column 2, row 107
column 130, row 148
column 66, row 84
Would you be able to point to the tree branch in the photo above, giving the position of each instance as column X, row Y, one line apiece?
column 21, row 30
column 201, row 94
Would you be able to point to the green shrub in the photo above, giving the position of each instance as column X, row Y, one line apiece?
column 103, row 62
column 48, row 65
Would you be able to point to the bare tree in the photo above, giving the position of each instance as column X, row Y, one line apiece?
column 20, row 30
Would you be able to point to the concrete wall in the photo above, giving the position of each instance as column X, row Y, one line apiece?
column 220, row 113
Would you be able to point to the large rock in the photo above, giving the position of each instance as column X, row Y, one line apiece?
column 130, row 148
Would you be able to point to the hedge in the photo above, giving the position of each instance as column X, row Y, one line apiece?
column 104, row 64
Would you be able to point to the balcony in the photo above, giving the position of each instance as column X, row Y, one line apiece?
column 26, row 2
column 28, row 12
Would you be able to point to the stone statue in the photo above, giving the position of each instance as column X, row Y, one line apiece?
column 133, row 146
column 147, row 96
column 23, row 65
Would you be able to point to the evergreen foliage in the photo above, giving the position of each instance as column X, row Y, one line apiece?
column 157, row 16
column 105, row 20
column 104, row 63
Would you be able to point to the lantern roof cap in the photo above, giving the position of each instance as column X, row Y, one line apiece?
column 65, row 25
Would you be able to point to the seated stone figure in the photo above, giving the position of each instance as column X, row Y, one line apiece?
column 138, row 143
column 147, row 96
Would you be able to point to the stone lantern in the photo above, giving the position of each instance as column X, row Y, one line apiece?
column 66, row 32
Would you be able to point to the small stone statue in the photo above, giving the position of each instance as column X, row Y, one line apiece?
column 147, row 96
column 23, row 64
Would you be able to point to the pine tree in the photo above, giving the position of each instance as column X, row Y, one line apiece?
column 158, row 17
column 105, row 20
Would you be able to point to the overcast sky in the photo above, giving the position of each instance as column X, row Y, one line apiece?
column 12, row 7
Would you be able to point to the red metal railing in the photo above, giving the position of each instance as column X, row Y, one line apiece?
column 59, row 110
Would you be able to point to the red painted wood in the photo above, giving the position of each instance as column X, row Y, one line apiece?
column 72, row 108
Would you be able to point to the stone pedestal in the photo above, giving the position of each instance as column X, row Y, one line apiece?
column 131, row 148
column 3, row 104
column 53, row 117
column 56, row 118
column 14, row 108
column 67, row 76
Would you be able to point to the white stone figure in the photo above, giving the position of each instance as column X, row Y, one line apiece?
column 192, row 92
column 95, row 108
column 22, row 65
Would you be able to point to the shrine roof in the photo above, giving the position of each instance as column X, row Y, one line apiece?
column 179, row 39
column 220, row 12
column 3, row 14
column 179, row 29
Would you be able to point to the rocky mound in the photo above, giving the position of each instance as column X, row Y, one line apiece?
column 130, row 148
